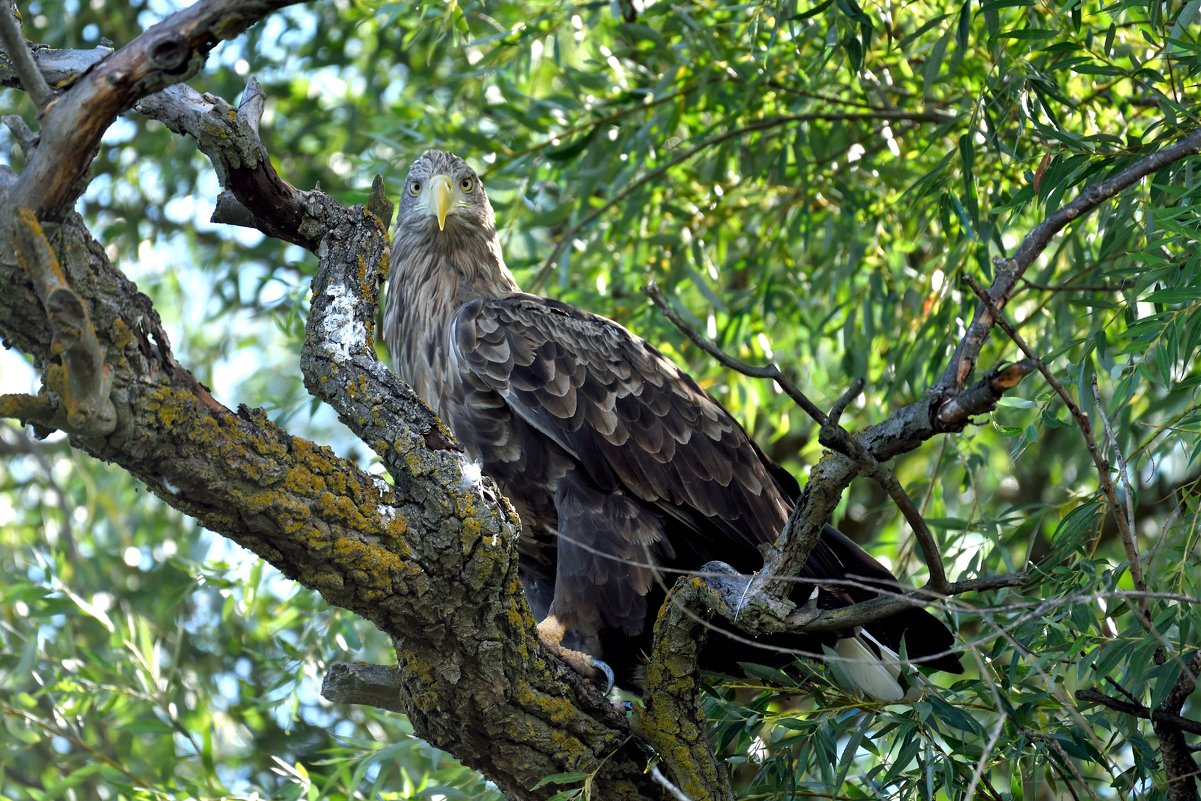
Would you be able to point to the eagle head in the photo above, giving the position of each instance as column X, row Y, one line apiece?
column 442, row 190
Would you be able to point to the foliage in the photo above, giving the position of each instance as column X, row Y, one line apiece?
column 811, row 182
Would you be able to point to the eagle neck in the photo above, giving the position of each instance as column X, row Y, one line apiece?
column 432, row 276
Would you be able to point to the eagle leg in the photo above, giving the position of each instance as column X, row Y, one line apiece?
column 551, row 631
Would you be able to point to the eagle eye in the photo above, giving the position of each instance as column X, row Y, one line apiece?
column 414, row 188
column 467, row 184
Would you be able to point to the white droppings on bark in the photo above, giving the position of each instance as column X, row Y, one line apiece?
column 341, row 333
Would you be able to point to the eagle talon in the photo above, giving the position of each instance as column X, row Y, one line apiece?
column 551, row 631
column 603, row 667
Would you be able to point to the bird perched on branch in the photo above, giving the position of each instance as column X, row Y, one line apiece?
column 625, row 473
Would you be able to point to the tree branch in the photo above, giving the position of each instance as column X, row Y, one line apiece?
column 671, row 718
column 255, row 196
column 1139, row 711
column 167, row 53
column 1008, row 271
column 80, row 380
column 18, row 51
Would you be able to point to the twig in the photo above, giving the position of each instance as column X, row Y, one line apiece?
column 1086, row 430
column 765, row 124
column 27, row 70
column 879, row 608
column 1129, row 695
column 1028, row 284
column 770, row 371
column 1139, row 711
column 840, row 405
column 978, row 771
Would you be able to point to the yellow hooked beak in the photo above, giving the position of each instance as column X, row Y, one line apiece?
column 442, row 198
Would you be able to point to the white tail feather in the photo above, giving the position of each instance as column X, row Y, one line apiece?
column 876, row 677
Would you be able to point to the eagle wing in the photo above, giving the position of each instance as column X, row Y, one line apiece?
column 630, row 418
column 641, row 430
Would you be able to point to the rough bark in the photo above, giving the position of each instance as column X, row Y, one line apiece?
column 430, row 560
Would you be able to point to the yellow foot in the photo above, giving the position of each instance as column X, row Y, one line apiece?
column 551, row 631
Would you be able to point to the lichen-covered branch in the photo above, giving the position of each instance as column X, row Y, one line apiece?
column 671, row 718
column 78, row 379
column 429, row 559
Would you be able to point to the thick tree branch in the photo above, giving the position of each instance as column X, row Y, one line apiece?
column 360, row 683
column 255, row 195
column 430, row 560
column 167, row 53
column 671, row 718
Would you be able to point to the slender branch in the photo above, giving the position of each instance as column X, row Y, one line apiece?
column 23, row 64
column 1086, row 430
column 665, row 783
column 801, row 536
column 1139, row 711
column 840, row 405
column 770, row 371
column 878, row 608
column 982, row 397
column 1008, row 271
column 1028, row 284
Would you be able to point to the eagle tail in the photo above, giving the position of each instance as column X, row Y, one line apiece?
column 877, row 674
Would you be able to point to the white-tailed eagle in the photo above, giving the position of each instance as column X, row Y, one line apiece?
column 624, row 471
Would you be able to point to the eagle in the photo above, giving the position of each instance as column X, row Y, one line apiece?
column 625, row 473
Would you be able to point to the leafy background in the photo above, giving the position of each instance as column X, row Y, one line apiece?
column 810, row 183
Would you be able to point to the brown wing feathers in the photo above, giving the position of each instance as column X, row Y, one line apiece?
column 630, row 417
column 638, row 426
